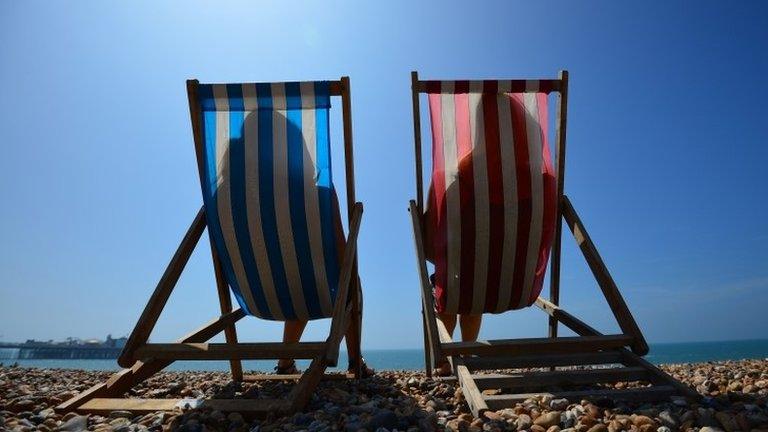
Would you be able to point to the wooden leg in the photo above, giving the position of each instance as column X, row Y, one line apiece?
column 552, row 331
column 426, row 289
column 554, row 281
column 560, row 129
column 342, row 308
column 225, row 303
column 427, row 348
column 355, row 331
column 302, row 392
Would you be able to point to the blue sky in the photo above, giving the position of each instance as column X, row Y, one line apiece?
column 666, row 151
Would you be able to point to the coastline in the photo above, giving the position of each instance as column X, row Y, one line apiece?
column 413, row 359
column 735, row 399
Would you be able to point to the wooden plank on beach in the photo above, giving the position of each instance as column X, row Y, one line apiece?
column 560, row 377
column 525, row 346
column 642, row 394
column 544, row 360
column 137, row 406
column 295, row 377
column 302, row 391
column 471, row 393
column 219, row 351
column 104, row 406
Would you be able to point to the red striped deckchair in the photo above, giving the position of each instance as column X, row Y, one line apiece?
column 489, row 204
column 489, row 225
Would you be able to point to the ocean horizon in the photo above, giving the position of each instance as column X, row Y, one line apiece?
column 413, row 359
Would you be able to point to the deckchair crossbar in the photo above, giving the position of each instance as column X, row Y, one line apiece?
column 335, row 88
column 561, row 377
column 249, row 407
column 509, row 86
column 241, row 351
column 642, row 394
column 544, row 360
column 537, row 345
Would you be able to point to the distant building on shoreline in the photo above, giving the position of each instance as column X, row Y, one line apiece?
column 71, row 348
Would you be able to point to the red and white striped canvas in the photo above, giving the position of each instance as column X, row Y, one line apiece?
column 491, row 212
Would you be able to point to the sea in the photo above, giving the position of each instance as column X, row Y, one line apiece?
column 413, row 359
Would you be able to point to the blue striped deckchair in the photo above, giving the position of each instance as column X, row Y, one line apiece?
column 267, row 148
column 277, row 241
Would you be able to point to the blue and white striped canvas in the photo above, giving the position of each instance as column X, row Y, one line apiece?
column 268, row 195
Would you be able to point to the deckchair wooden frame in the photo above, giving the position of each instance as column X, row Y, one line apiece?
column 589, row 347
column 142, row 359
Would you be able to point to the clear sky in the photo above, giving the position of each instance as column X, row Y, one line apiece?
column 667, row 151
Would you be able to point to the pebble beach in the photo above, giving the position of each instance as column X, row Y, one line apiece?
column 735, row 398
